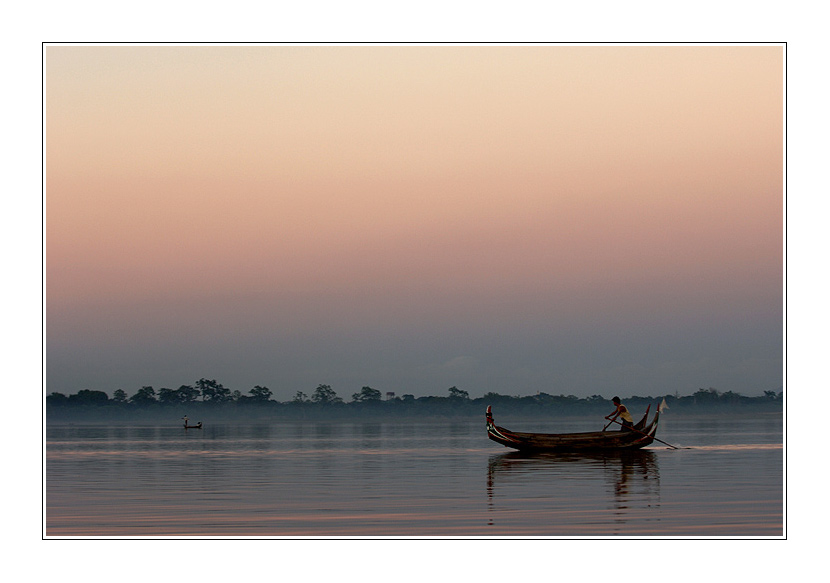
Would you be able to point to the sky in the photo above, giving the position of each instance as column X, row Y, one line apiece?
column 574, row 220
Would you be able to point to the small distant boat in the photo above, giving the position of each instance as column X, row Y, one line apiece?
column 186, row 426
column 640, row 436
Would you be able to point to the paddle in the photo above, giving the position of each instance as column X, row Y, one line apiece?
column 659, row 408
column 646, row 434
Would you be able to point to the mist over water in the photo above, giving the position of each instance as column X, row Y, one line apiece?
column 410, row 479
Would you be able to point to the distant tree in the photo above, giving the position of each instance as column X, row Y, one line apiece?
column 212, row 391
column 187, row 394
column 300, row 398
column 168, row 396
column 57, row 399
column 184, row 394
column 87, row 396
column 119, row 396
column 236, row 395
column 408, row 398
column 769, row 395
column 456, row 393
column 222, row 394
column 144, row 396
column 730, row 397
column 705, row 396
column 491, row 396
column 325, row 395
column 366, row 394
column 261, row 394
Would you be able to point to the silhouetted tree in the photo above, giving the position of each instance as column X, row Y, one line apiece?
column 212, row 391
column 261, row 394
column 187, row 394
column 300, row 398
column 57, row 399
column 325, row 395
column 730, row 397
column 366, row 394
column 119, row 396
column 704, row 396
column 168, row 396
column 456, row 393
column 87, row 396
column 496, row 396
column 144, row 396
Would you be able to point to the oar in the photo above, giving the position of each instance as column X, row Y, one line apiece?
column 647, row 435
column 609, row 423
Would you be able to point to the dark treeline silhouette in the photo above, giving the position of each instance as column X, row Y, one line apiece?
column 210, row 399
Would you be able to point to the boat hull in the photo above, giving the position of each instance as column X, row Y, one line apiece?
column 627, row 439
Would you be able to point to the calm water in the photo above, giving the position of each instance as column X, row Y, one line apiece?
column 410, row 479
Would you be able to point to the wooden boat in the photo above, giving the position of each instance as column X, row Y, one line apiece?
column 186, row 426
column 640, row 436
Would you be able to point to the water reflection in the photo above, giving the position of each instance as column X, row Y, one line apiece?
column 577, row 484
column 403, row 479
column 370, row 435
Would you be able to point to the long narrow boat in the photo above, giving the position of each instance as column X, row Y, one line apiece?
column 186, row 426
column 640, row 436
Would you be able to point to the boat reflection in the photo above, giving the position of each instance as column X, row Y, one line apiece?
column 623, row 482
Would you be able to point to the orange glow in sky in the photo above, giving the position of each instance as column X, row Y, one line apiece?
column 353, row 215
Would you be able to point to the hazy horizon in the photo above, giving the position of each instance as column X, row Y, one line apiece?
column 566, row 219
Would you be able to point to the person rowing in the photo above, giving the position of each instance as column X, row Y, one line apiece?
column 621, row 411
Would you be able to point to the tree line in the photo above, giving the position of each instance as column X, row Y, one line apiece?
column 210, row 394
column 211, row 391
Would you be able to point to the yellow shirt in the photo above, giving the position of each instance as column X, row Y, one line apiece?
column 625, row 415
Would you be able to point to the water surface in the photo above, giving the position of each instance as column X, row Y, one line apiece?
column 410, row 479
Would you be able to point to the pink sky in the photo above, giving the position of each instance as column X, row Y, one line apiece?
column 572, row 219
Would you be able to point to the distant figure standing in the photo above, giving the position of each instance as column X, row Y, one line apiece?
column 622, row 412
column 186, row 426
